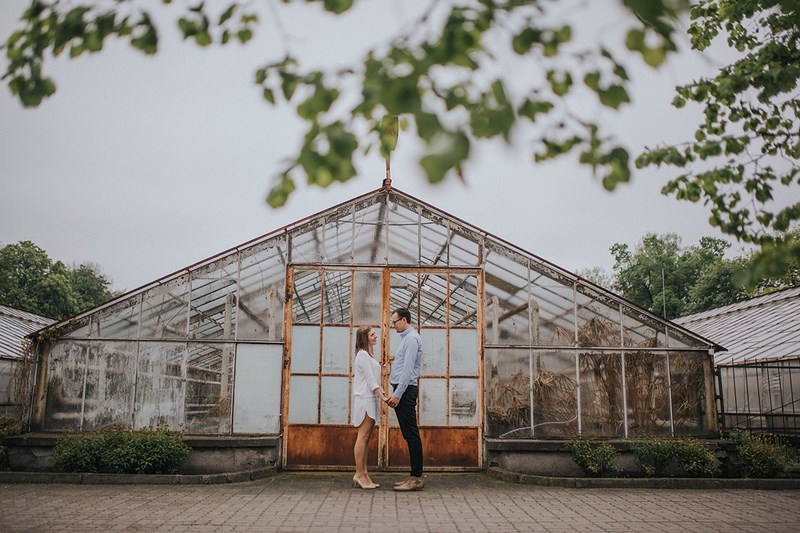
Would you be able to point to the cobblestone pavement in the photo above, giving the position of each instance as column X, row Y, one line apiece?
column 291, row 502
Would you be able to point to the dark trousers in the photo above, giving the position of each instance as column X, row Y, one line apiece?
column 406, row 412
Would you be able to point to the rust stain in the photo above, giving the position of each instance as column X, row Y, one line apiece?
column 325, row 446
column 441, row 447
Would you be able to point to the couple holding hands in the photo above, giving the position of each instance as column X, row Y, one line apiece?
column 367, row 392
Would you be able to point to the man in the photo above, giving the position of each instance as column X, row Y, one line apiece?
column 404, row 381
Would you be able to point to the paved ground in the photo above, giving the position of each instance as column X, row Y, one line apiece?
column 293, row 502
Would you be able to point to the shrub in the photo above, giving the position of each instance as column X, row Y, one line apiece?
column 761, row 456
column 596, row 460
column 696, row 459
column 147, row 451
column 654, row 455
column 8, row 427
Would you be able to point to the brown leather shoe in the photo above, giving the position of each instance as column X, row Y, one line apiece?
column 398, row 483
column 412, row 483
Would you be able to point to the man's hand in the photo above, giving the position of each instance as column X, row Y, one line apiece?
column 393, row 401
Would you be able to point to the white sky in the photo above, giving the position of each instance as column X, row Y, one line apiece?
column 145, row 165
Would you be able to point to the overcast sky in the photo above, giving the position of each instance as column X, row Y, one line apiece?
column 145, row 165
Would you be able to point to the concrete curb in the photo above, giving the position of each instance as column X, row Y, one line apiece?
column 135, row 479
column 644, row 483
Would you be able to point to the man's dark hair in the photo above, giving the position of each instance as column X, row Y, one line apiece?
column 402, row 312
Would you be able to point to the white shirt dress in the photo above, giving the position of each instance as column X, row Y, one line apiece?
column 366, row 377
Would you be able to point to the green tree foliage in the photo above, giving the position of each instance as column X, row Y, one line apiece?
column 440, row 77
column 746, row 152
column 662, row 276
column 31, row 281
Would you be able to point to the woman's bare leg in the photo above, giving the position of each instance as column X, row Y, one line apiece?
column 360, row 449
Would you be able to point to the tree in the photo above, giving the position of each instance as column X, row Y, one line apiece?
column 749, row 143
column 440, row 77
column 30, row 281
column 669, row 280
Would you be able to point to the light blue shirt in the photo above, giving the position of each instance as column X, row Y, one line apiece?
column 407, row 362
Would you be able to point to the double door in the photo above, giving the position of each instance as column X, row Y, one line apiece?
column 327, row 306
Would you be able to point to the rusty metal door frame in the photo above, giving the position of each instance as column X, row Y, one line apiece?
column 385, row 328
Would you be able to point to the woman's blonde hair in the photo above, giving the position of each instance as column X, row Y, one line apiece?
column 362, row 339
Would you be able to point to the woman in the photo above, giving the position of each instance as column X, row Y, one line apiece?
column 366, row 409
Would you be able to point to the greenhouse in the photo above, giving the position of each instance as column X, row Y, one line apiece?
column 258, row 339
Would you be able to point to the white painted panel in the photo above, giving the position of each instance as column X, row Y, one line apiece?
column 303, row 399
column 305, row 349
column 434, row 352
column 336, row 352
column 335, row 398
column 463, row 352
column 257, row 388
column 432, row 402
column 463, row 402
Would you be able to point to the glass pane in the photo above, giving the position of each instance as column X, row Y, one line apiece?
column 463, row 300
column 307, row 244
column 305, row 350
column 208, row 388
column 554, row 312
column 261, row 280
column 647, row 394
column 303, row 399
column 367, row 296
column 66, row 368
column 164, row 310
column 213, row 310
column 555, row 412
column 338, row 294
column 687, row 378
column 601, row 395
column 434, row 352
column 257, row 406
column 334, row 406
column 159, row 385
column 307, row 297
column 109, row 385
column 81, row 329
column 463, row 250
column 368, row 248
column 404, row 293
column 337, row 241
column 507, row 392
column 434, row 242
column 639, row 333
column 403, row 235
column 598, row 324
column 463, row 402
column 432, row 402
column 336, row 350
column 506, row 300
column 433, row 300
column 463, row 352
column 120, row 321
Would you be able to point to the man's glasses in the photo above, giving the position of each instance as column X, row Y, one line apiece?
column 396, row 321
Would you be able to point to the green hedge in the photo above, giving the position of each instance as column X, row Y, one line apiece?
column 121, row 451
column 595, row 459
column 8, row 427
column 692, row 456
column 763, row 456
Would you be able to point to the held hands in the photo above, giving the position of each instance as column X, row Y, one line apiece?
column 392, row 401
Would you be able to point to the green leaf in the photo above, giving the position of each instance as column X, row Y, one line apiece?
column 439, row 163
column 614, row 96
column 389, row 132
column 338, row 6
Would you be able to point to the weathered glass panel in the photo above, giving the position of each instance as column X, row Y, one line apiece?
column 367, row 296
column 307, row 298
column 120, row 321
column 463, row 352
column 598, row 324
column 433, row 299
column 554, row 306
column 640, row 332
column 262, row 277
column 463, row 249
column 336, row 350
column 463, row 300
column 213, row 311
column 687, row 378
column 208, row 388
column 434, row 242
column 338, row 297
column 404, row 293
column 257, row 393
column 602, row 410
column 554, row 395
column 647, row 394
column 67, row 366
column 307, row 244
column 403, row 236
column 434, row 351
column 432, row 402
column 164, row 310
column 303, row 399
column 506, row 300
column 463, row 402
column 335, row 400
column 305, row 350
column 508, row 404
column 160, row 385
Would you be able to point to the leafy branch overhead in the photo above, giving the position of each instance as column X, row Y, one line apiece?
column 449, row 80
column 745, row 154
column 440, row 78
